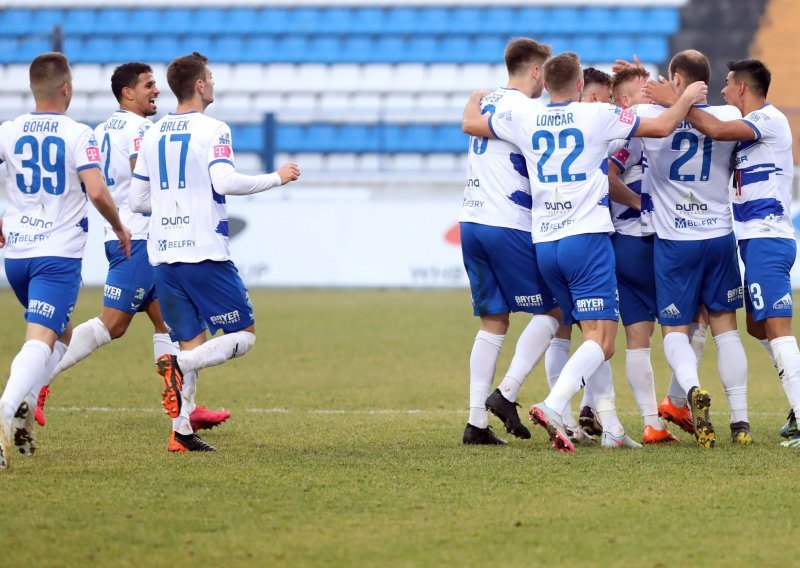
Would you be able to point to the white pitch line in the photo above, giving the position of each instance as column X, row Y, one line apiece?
column 342, row 411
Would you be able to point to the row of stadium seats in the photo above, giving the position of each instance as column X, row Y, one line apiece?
column 383, row 138
column 344, row 20
column 325, row 48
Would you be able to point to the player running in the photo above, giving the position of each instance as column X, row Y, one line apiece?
column 695, row 252
column 631, row 213
column 129, row 286
column 499, row 255
column 565, row 144
column 761, row 213
column 53, row 166
column 187, row 159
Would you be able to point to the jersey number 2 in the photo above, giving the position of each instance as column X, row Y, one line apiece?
column 162, row 159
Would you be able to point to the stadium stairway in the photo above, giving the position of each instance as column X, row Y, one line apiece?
column 776, row 44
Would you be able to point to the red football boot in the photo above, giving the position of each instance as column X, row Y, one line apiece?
column 204, row 419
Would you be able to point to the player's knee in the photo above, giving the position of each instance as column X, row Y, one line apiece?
column 117, row 329
column 756, row 329
column 608, row 348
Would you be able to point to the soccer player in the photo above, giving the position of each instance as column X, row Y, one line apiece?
column 53, row 166
column 187, row 159
column 565, row 144
column 761, row 213
column 499, row 255
column 631, row 211
column 596, row 86
column 129, row 286
column 695, row 252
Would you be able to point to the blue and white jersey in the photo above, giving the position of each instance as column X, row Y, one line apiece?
column 630, row 158
column 498, row 192
column 687, row 177
column 47, row 212
column 565, row 147
column 189, row 220
column 763, row 178
column 119, row 138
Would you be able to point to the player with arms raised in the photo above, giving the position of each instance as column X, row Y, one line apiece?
column 53, row 166
column 761, row 212
column 565, row 144
column 130, row 286
column 183, row 173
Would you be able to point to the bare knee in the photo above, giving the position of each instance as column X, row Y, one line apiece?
column 495, row 323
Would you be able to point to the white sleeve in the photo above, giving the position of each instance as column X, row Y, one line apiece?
column 508, row 123
column 762, row 125
column 136, row 141
column 139, row 192
column 616, row 123
column 227, row 181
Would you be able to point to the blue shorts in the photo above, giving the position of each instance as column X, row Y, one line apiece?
column 502, row 270
column 580, row 272
column 130, row 284
column 204, row 295
column 636, row 278
column 690, row 273
column 767, row 263
column 48, row 288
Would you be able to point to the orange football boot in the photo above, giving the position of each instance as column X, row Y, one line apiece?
column 653, row 436
column 681, row 417
column 167, row 366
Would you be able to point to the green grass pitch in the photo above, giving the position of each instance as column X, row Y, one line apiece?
column 344, row 449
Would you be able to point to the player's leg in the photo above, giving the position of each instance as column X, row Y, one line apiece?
column 555, row 358
column 490, row 305
column 602, row 386
column 722, row 295
column 585, row 288
column 679, row 268
column 514, row 263
column 48, row 288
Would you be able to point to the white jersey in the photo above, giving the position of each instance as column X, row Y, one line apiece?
column 498, row 192
column 687, row 176
column 763, row 178
column 565, row 146
column 119, row 138
column 47, row 212
column 629, row 157
column 189, row 220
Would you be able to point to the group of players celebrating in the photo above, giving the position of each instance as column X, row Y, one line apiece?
column 615, row 200
column 167, row 249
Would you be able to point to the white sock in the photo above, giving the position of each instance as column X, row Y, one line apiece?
column 697, row 339
column 555, row 358
column 27, row 370
column 181, row 424
column 216, row 351
column 639, row 371
column 676, row 393
column 601, row 384
column 482, row 364
column 583, row 364
column 765, row 344
column 55, row 357
column 787, row 357
column 681, row 358
column 87, row 337
column 533, row 342
column 587, row 399
column 732, row 363
column 163, row 345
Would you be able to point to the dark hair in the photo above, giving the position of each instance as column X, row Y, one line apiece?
column 48, row 72
column 754, row 73
column 522, row 52
column 183, row 72
column 561, row 70
column 692, row 64
column 627, row 74
column 127, row 75
column 592, row 76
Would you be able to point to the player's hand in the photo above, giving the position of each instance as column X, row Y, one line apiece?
column 288, row 172
column 697, row 92
column 621, row 64
column 660, row 92
column 2, row 238
column 124, row 236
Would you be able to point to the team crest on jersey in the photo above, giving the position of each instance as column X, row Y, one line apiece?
column 92, row 151
column 223, row 148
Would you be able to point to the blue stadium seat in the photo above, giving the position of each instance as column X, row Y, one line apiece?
column 259, row 48
column 80, row 21
column 176, row 21
column 359, row 138
column 422, row 49
column 390, row 49
column 204, row 45
column 243, row 20
column 305, row 20
column 455, row 49
column 358, row 49
column 74, row 48
column 337, row 20
column 402, row 20
column 99, row 49
column 115, row 20
column 8, row 49
column 533, row 20
column 448, row 138
column 320, row 138
column 565, row 20
column 30, row 47
column 436, row 21
column 209, row 21
column 662, row 20
column 289, row 137
column 630, row 19
column 589, row 48
column 467, row 20
column 498, row 20
column 16, row 22
column 324, row 49
column 652, row 48
column 227, row 49
column 164, row 48
column 488, row 49
column 368, row 20
column 133, row 48
column 291, row 49
column 144, row 21
column 597, row 20
column 618, row 47
column 247, row 137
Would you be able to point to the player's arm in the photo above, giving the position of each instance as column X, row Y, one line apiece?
column 664, row 124
column 139, row 192
column 227, row 181
column 472, row 121
column 101, row 198
column 618, row 191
